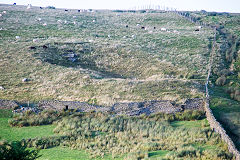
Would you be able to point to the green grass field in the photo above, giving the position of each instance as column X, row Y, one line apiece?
column 60, row 153
column 13, row 134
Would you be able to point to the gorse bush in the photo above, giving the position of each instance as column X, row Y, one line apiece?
column 221, row 81
column 51, row 7
column 102, row 134
column 16, row 151
column 234, row 92
column 49, row 116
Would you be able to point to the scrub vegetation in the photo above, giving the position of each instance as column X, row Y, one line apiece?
column 102, row 57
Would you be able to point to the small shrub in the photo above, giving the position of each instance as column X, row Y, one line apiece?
column 51, row 7
column 32, row 119
column 224, row 72
column 16, row 151
column 221, row 81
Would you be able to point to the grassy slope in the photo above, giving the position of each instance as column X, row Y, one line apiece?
column 61, row 153
column 108, row 69
column 14, row 133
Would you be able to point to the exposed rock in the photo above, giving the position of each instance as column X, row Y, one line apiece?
column 194, row 104
column 22, row 109
column 70, row 55
column 7, row 104
column 130, row 109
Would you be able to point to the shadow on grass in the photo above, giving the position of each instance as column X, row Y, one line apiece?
column 72, row 55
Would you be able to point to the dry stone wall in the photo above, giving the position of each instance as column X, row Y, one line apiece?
column 214, row 124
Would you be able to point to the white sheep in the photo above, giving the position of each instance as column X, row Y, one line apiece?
column 199, row 27
column 17, row 37
column 0, row 15
column 4, row 12
column 29, row 6
column 24, row 80
column 44, row 24
column 35, row 40
column 163, row 29
column 39, row 19
column 74, row 22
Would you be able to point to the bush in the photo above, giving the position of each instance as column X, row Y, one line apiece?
column 16, row 151
column 237, row 95
column 51, row 7
column 224, row 72
column 189, row 115
column 221, row 81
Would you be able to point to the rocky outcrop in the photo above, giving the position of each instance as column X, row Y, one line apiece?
column 194, row 104
column 148, row 107
column 81, row 106
column 7, row 104
column 131, row 108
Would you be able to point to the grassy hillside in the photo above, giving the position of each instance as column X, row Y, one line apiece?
column 115, row 60
column 104, row 57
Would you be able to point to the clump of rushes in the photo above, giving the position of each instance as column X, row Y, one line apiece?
column 32, row 119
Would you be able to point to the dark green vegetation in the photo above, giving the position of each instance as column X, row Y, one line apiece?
column 94, row 56
column 14, row 150
column 225, row 97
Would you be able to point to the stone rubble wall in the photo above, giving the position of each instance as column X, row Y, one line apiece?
column 131, row 108
column 8, row 104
